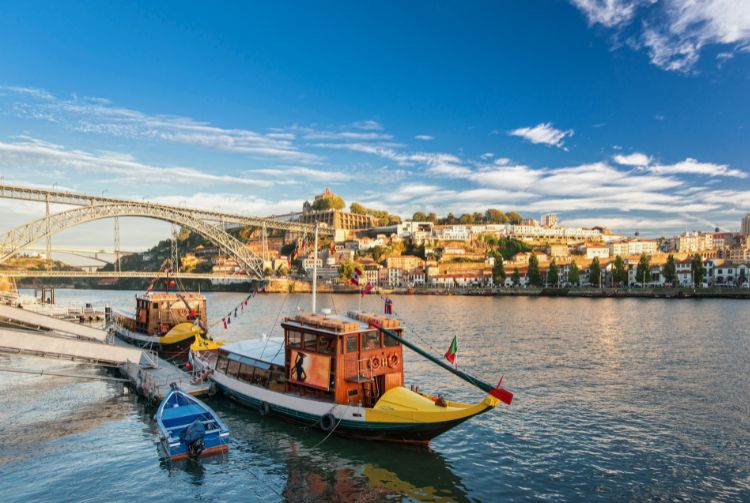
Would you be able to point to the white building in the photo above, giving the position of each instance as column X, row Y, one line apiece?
column 633, row 247
column 549, row 220
column 454, row 233
column 597, row 252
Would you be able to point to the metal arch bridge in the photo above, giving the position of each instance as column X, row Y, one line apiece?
column 16, row 239
column 210, row 224
column 286, row 222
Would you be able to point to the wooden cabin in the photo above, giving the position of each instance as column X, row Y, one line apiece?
column 157, row 312
column 360, row 363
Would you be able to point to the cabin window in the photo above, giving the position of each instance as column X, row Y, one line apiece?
column 221, row 365
column 294, row 339
column 371, row 340
column 327, row 344
column 389, row 342
column 246, row 373
column 311, row 342
column 234, row 366
column 351, row 344
column 261, row 377
column 155, row 305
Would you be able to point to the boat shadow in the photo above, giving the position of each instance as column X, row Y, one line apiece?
column 317, row 468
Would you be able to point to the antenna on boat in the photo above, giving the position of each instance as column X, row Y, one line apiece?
column 315, row 271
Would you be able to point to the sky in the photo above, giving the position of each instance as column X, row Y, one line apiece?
column 631, row 114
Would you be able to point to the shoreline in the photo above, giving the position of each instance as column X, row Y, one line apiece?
column 277, row 286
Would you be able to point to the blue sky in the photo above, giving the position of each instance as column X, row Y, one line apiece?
column 632, row 114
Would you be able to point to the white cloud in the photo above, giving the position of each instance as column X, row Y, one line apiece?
column 302, row 172
column 544, row 133
column 675, row 31
column 233, row 203
column 91, row 115
column 609, row 13
column 32, row 152
column 691, row 166
column 634, row 159
column 368, row 125
column 424, row 137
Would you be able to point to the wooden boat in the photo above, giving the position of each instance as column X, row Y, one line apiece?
column 342, row 374
column 164, row 321
column 188, row 428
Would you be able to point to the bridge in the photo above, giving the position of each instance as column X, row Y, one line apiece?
column 122, row 274
column 212, row 225
column 90, row 253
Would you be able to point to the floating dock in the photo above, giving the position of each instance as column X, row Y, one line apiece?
column 39, row 335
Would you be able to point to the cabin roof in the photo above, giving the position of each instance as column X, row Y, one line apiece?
column 161, row 296
column 337, row 324
column 261, row 350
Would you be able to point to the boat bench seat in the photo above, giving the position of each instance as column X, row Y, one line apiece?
column 185, row 425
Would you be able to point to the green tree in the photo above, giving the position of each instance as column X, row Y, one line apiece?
column 643, row 272
column 553, row 274
column 346, row 269
column 477, row 217
column 330, row 202
column 670, row 270
column 595, row 272
column 516, row 278
column 696, row 266
column 465, row 219
column 619, row 273
column 493, row 216
column 514, row 217
column 432, row 217
column 358, row 209
column 535, row 279
column 498, row 270
column 574, row 274
column 419, row 217
column 378, row 252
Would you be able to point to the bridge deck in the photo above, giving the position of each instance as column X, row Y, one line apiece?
column 38, row 321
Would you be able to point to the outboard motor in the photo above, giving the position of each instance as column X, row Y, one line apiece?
column 193, row 436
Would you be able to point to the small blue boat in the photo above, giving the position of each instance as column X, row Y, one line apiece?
column 188, row 428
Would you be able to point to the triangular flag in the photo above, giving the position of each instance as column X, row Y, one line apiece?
column 450, row 355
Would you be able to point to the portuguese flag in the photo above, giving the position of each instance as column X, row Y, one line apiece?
column 450, row 355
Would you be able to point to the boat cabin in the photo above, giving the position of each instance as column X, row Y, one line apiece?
column 342, row 358
column 157, row 312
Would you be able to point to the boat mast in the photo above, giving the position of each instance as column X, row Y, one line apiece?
column 315, row 271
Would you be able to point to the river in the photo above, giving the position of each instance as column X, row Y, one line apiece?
column 615, row 399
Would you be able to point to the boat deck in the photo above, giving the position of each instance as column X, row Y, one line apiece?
column 155, row 381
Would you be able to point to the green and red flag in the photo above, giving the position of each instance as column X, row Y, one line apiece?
column 450, row 355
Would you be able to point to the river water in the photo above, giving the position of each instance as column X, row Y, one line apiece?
column 615, row 399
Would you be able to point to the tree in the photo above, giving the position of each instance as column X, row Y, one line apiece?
column 535, row 279
column 477, row 217
column 553, row 274
column 574, row 274
column 358, row 209
column 516, row 278
column 346, row 269
column 696, row 266
column 432, row 217
column 514, row 217
column 419, row 217
column 377, row 253
column 643, row 271
column 619, row 273
column 498, row 270
column 465, row 219
column 670, row 270
column 329, row 202
column 595, row 273
column 493, row 216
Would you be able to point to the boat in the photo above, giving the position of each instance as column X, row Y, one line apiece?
column 164, row 321
column 341, row 374
column 188, row 428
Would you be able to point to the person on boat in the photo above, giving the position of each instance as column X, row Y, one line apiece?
column 298, row 362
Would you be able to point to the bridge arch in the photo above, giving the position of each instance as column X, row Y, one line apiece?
column 16, row 239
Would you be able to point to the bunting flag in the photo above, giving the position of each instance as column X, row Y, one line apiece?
column 225, row 323
column 229, row 319
column 450, row 355
column 367, row 289
column 235, row 312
